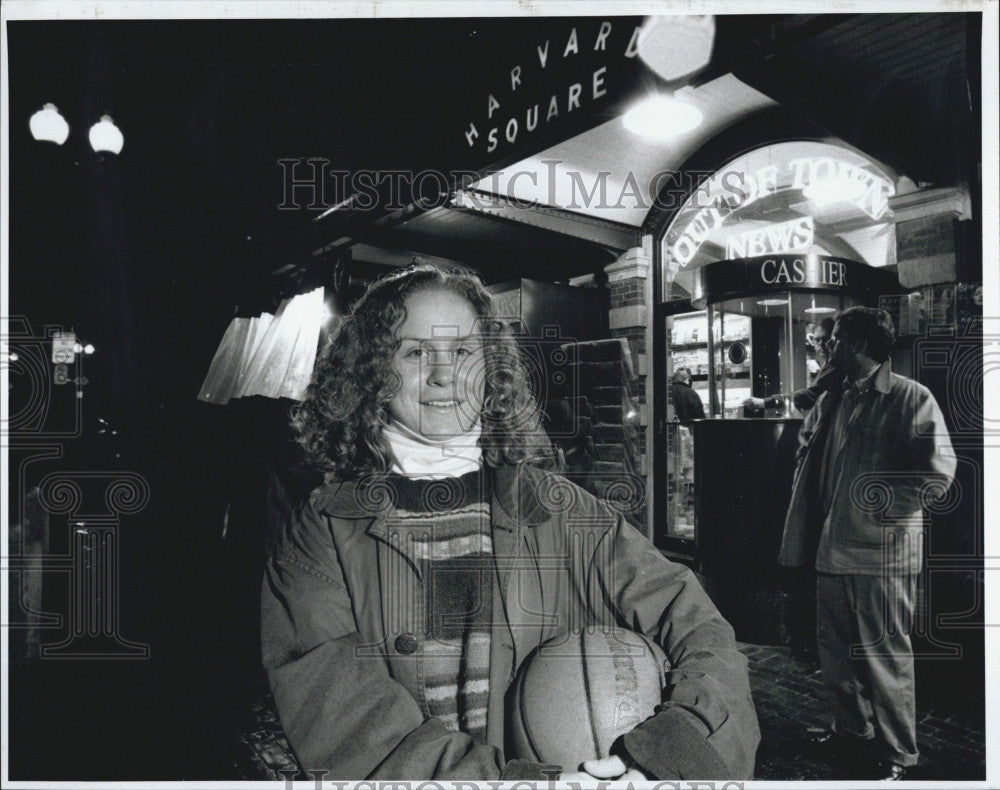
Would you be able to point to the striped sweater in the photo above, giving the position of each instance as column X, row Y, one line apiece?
column 448, row 520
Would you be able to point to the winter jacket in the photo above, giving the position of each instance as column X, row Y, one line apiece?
column 342, row 638
column 896, row 458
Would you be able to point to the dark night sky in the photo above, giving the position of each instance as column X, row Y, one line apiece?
column 207, row 109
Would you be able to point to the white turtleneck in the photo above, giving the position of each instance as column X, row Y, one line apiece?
column 416, row 456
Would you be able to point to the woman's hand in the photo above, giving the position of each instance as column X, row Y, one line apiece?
column 602, row 770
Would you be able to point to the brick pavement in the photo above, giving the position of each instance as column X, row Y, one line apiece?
column 789, row 695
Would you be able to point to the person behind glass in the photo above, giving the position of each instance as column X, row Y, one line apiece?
column 825, row 377
column 408, row 589
column 870, row 454
column 687, row 404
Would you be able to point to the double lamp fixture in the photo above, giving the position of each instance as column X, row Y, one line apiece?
column 48, row 124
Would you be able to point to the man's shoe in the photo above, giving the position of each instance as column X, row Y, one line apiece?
column 892, row 772
column 822, row 736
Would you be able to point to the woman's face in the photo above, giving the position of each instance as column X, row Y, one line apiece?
column 440, row 365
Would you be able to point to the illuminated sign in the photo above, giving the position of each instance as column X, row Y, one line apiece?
column 863, row 189
column 808, row 270
column 821, row 179
column 793, row 236
column 697, row 230
column 780, row 274
column 63, row 348
column 571, row 72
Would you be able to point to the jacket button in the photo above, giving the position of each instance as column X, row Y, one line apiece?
column 406, row 644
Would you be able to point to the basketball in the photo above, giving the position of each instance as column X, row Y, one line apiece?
column 577, row 693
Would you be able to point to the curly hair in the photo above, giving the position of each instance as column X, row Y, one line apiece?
column 339, row 423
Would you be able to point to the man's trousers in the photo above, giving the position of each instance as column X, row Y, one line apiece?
column 863, row 626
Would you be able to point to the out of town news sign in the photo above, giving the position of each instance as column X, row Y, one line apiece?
column 735, row 191
column 571, row 78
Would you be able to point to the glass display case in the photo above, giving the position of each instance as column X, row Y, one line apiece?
column 784, row 359
column 703, row 352
column 697, row 348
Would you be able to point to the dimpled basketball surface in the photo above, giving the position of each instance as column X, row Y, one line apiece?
column 577, row 693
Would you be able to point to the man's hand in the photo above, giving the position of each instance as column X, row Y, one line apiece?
column 604, row 769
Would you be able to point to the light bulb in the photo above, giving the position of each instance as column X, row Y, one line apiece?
column 661, row 118
column 47, row 124
column 105, row 136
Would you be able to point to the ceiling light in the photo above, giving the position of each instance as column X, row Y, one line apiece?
column 813, row 309
column 105, row 136
column 836, row 189
column 772, row 302
column 47, row 124
column 662, row 118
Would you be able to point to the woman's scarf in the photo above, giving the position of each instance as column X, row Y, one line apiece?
column 416, row 456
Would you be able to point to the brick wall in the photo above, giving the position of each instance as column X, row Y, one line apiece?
column 636, row 339
column 629, row 318
column 627, row 293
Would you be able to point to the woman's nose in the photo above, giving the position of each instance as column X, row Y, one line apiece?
column 441, row 369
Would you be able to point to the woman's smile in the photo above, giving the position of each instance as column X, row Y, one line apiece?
column 440, row 365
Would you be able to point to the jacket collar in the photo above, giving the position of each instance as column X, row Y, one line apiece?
column 515, row 498
column 882, row 379
column 878, row 380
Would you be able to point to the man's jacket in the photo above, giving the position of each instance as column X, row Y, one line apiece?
column 687, row 404
column 342, row 638
column 896, row 459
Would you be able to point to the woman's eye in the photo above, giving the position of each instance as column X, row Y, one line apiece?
column 415, row 353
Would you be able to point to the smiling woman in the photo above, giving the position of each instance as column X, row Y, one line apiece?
column 408, row 591
column 416, row 341
column 438, row 361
